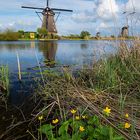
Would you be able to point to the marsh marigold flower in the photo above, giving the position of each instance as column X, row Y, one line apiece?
column 73, row 111
column 55, row 121
column 81, row 128
column 77, row 117
column 40, row 118
column 107, row 110
column 127, row 125
column 126, row 115
column 84, row 117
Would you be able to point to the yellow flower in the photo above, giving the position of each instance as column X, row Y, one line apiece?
column 127, row 125
column 84, row 117
column 77, row 118
column 40, row 117
column 81, row 128
column 126, row 115
column 55, row 121
column 107, row 110
column 73, row 111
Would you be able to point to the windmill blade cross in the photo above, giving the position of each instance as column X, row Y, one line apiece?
column 39, row 15
column 47, row 3
column 57, row 16
column 32, row 7
column 66, row 10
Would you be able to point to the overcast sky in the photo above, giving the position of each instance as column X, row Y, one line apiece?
column 91, row 15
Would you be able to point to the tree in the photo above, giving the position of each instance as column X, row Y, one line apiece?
column 112, row 36
column 10, row 35
column 42, row 32
column 85, row 35
column 21, row 33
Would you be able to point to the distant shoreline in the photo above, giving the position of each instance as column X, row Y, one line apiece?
column 103, row 39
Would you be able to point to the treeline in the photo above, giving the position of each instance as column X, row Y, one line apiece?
column 41, row 33
column 9, row 35
column 82, row 35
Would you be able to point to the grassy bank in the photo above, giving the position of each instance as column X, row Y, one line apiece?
column 112, row 84
column 101, row 103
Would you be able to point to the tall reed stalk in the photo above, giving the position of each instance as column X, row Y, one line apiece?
column 4, row 79
column 19, row 67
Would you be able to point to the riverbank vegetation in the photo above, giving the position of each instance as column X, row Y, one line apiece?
column 101, row 103
column 9, row 35
column 43, row 34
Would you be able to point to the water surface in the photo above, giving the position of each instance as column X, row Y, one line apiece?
column 76, row 54
column 64, row 52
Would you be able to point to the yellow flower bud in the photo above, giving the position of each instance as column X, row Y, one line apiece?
column 77, row 118
column 40, row 118
column 126, row 115
column 73, row 111
column 55, row 121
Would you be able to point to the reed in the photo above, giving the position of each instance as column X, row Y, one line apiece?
column 19, row 67
column 4, row 79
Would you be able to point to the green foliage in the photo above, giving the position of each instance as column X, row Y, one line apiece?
column 70, row 130
column 112, row 36
column 9, row 35
column 85, row 35
column 42, row 32
column 21, row 33
column 74, row 36
column 109, row 73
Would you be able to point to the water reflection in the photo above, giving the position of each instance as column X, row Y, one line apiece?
column 84, row 46
column 49, row 50
column 32, row 44
column 12, row 46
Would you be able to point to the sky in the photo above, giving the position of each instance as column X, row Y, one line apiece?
column 105, row 16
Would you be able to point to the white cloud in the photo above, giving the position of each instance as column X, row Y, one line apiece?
column 86, row 16
column 107, row 9
column 103, row 25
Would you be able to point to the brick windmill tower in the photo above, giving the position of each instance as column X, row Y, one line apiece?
column 125, row 31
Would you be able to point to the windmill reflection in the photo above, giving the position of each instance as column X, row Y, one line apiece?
column 84, row 46
column 32, row 44
column 49, row 52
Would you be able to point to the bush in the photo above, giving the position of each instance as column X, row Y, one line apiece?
column 9, row 35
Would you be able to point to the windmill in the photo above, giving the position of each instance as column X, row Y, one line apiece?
column 125, row 29
column 48, row 21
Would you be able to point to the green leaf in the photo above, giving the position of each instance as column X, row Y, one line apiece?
column 110, row 133
column 76, row 137
column 94, row 120
column 64, row 128
column 118, row 138
column 45, row 128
